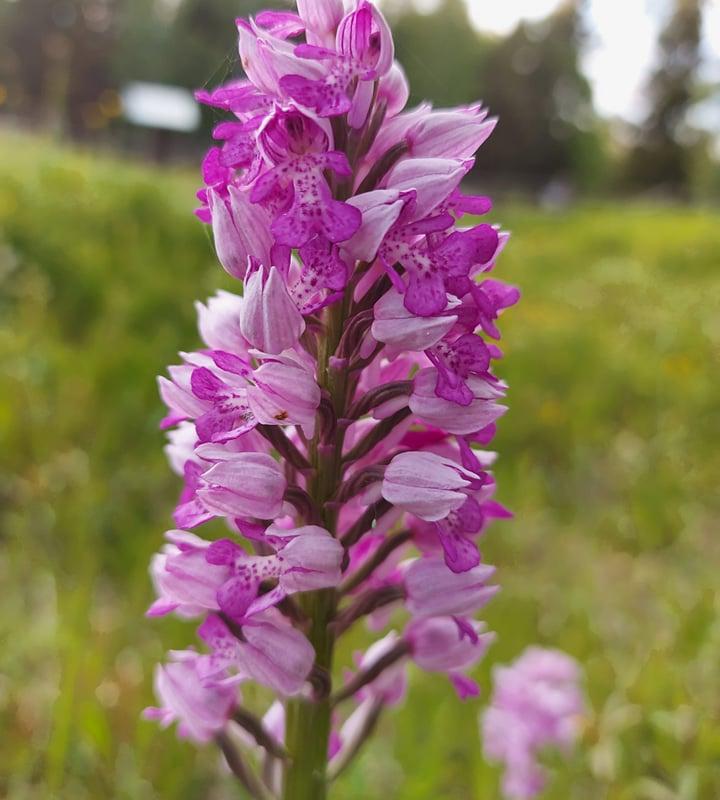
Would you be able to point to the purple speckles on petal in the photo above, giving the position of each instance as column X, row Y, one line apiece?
column 455, row 362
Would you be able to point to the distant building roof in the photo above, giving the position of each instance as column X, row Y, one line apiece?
column 153, row 105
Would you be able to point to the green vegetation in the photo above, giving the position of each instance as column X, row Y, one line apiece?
column 609, row 458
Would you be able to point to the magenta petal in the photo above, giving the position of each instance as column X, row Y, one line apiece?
column 291, row 228
column 461, row 553
column 222, row 551
column 283, row 24
column 278, row 656
column 191, row 514
column 316, row 94
column 313, row 51
column 464, row 686
column 235, row 596
column 205, row 385
column 340, row 220
column 425, row 295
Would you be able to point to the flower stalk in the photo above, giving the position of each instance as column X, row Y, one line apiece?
column 335, row 416
column 308, row 722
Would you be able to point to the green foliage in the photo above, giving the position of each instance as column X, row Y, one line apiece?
column 608, row 458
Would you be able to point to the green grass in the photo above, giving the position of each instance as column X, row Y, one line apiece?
column 609, row 459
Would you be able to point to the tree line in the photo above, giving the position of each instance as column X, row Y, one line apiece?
column 62, row 63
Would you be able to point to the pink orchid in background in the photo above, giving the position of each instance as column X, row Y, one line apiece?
column 334, row 416
column 537, row 703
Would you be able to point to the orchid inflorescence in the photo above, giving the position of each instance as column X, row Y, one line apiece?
column 335, row 416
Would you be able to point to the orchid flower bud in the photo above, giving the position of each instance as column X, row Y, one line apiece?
column 425, row 484
column 250, row 485
column 434, row 591
column 269, row 319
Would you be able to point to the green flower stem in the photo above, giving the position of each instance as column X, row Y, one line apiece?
column 308, row 720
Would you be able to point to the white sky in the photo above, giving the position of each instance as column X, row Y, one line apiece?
column 622, row 43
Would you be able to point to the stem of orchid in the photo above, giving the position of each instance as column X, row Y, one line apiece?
column 308, row 720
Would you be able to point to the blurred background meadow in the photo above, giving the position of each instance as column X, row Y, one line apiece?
column 609, row 454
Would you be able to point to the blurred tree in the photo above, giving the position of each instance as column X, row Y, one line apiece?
column 532, row 81
column 189, row 43
column 662, row 154
column 144, row 33
column 56, row 61
column 440, row 52
column 203, row 46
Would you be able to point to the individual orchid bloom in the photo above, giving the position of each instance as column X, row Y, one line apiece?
column 460, row 284
column 447, row 644
column 430, row 180
column 425, row 484
column 269, row 319
column 298, row 148
column 266, row 58
column 363, row 52
column 322, row 276
column 380, row 210
column 185, row 581
column 200, row 711
column 455, row 361
column 456, row 534
column 305, row 558
column 177, row 394
column 190, row 510
column 537, row 703
column 265, row 649
column 434, row 591
column 239, row 148
column 248, row 485
column 236, row 397
column 401, row 330
column 225, row 413
column 451, row 645
column 460, row 419
column 283, row 391
column 491, row 298
column 432, row 266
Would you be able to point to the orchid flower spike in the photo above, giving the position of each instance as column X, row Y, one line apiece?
column 329, row 428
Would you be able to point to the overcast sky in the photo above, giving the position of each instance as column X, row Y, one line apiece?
column 622, row 44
